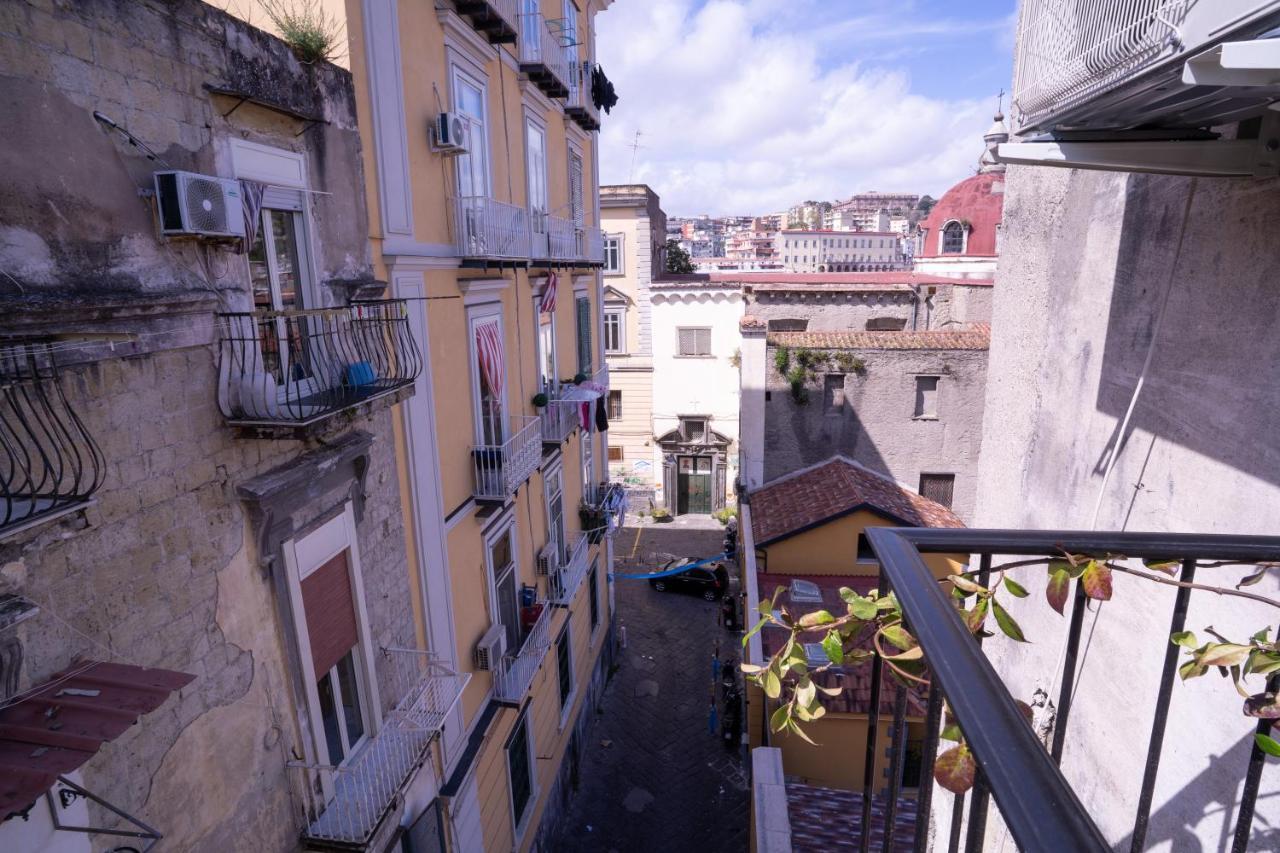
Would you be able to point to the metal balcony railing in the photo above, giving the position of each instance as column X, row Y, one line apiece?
column 296, row 368
column 346, row 804
column 500, row 469
column 564, row 582
column 497, row 20
column 605, row 510
column 580, row 106
column 542, row 56
column 49, row 463
column 560, row 417
column 486, row 229
column 514, row 673
column 562, row 239
column 1036, row 801
column 592, row 245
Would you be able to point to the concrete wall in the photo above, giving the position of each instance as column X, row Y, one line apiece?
column 1088, row 260
column 875, row 426
column 831, row 311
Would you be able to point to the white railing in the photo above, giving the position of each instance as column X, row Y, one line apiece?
column 508, row 10
column 564, row 583
column 592, row 245
column 562, row 238
column 559, row 419
column 580, row 93
column 514, row 673
column 540, row 46
column 486, row 228
column 346, row 804
column 501, row 468
column 1072, row 50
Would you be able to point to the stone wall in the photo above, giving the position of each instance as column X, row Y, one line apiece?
column 833, row 310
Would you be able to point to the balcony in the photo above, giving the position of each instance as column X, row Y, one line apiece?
column 1037, row 803
column 500, row 469
column 514, row 673
column 496, row 20
column 287, row 372
column 591, row 249
column 486, row 231
column 565, row 579
column 560, row 417
column 543, row 57
column 604, row 510
column 348, row 806
column 580, row 106
column 49, row 463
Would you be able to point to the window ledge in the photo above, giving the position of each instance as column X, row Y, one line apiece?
column 926, row 418
column 567, row 713
column 705, row 357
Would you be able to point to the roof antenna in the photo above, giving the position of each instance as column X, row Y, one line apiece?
column 635, row 146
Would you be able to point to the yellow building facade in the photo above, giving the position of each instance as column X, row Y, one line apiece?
column 479, row 139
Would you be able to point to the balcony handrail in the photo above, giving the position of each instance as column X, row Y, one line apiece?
column 538, row 44
column 484, row 227
column 560, row 416
column 515, row 670
column 592, row 245
column 566, row 581
column 580, row 88
column 500, row 469
column 1036, row 801
column 562, row 238
column 297, row 367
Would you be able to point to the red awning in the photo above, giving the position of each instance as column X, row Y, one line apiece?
column 62, row 724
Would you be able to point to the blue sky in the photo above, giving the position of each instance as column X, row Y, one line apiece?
column 747, row 106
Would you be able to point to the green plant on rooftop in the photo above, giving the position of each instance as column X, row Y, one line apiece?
column 796, row 379
column 314, row 34
column 787, row 677
column 782, row 360
column 850, row 363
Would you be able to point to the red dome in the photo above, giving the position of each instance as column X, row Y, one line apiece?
column 978, row 201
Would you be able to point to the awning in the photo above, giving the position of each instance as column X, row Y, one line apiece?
column 60, row 725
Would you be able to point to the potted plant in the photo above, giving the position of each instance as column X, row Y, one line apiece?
column 662, row 515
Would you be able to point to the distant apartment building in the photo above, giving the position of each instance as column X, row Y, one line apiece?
column 874, row 202
column 808, row 214
column 750, row 245
column 727, row 265
column 852, row 219
column 818, row 251
column 770, row 223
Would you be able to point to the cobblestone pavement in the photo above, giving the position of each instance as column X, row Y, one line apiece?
column 652, row 778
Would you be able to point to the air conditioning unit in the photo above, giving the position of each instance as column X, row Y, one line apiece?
column 491, row 648
column 450, row 133
column 199, row 205
column 548, row 560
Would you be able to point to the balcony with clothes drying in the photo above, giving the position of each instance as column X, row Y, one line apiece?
column 580, row 106
column 290, row 373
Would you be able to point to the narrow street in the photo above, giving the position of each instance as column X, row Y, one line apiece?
column 653, row 777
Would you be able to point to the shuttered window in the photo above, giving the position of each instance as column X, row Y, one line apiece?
column 692, row 342
column 584, row 334
column 938, row 487
column 575, row 187
column 330, row 613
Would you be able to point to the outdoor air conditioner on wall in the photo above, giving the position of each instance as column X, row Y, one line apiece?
column 199, row 205
column 449, row 134
column 491, row 648
column 546, row 559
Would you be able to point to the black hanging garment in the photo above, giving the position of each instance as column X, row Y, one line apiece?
column 602, row 416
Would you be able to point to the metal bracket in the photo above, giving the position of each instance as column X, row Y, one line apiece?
column 68, row 794
column 1235, row 63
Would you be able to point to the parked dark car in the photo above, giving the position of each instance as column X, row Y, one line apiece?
column 709, row 582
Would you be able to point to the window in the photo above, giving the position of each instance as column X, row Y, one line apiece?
column 587, row 448
column 488, row 374
column 564, row 669
column 886, row 324
column 615, row 454
column 536, row 167
column 938, row 487
column 553, row 488
column 692, row 342
column 926, row 397
column 593, row 590
column 615, row 405
column 952, row 238
column 788, row 325
column 546, row 348
column 278, row 276
column 613, row 327
column 613, row 255
column 865, row 554
column 473, row 166
column 833, row 393
column 520, row 769
column 583, row 306
column 694, row 429
column 505, row 605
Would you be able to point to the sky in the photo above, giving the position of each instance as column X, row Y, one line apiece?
column 750, row 106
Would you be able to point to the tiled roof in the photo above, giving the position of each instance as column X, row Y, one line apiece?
column 975, row 337
column 900, row 277
column 749, row 322
column 828, row 820
column 810, row 496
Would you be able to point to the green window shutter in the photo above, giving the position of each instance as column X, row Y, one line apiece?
column 584, row 335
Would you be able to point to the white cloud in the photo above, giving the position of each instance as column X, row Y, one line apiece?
column 739, row 113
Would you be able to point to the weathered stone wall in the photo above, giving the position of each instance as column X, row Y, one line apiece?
column 875, row 426
column 832, row 311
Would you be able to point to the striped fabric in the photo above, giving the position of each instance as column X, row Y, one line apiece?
column 251, row 200
column 548, row 304
column 492, row 363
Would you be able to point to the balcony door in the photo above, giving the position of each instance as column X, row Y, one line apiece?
column 537, row 168
column 506, row 604
column 475, row 220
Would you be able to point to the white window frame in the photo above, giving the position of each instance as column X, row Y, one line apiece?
column 937, row 397
column 545, row 385
column 554, row 473
column 532, row 124
column 620, row 268
column 476, row 315
column 710, row 343
column 587, row 454
column 303, row 556
column 458, row 72
column 620, row 314
column 505, row 527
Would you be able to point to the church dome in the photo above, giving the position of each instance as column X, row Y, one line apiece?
column 966, row 220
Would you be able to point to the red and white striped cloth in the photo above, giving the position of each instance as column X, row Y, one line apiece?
column 492, row 362
column 548, row 304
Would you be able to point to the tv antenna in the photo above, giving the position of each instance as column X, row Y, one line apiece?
column 635, row 146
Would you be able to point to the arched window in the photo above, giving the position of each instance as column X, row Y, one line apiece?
column 953, row 238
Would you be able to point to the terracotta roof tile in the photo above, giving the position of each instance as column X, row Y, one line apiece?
column 975, row 337
column 828, row 820
column 805, row 498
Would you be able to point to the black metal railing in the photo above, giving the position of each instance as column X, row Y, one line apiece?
column 48, row 460
column 1035, row 800
column 296, row 368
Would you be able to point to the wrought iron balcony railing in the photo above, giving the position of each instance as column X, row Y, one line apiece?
column 497, row 20
column 515, row 671
column 489, row 230
column 346, row 805
column 49, row 463
column 542, row 56
column 559, row 419
column 1036, row 801
column 592, row 247
column 297, row 368
column 500, row 469
column 568, row 576
column 580, row 106
column 562, row 239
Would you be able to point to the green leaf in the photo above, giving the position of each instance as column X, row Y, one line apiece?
column 1016, row 589
column 898, row 636
column 975, row 617
column 1224, row 654
column 772, row 684
column 1267, row 745
column 1007, row 622
column 1168, row 567
column 834, row 647
column 746, row 638
column 778, row 721
column 799, row 732
column 1250, row 580
column 863, row 608
column 806, row 692
column 848, row 596
column 1261, row 636
column 952, row 732
column 910, row 654
column 1186, row 639
column 1191, row 669
column 816, row 618
column 955, row 769
column 962, row 582
column 750, row 668
column 1097, row 581
column 1064, row 566
column 1059, row 587
column 1263, row 663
